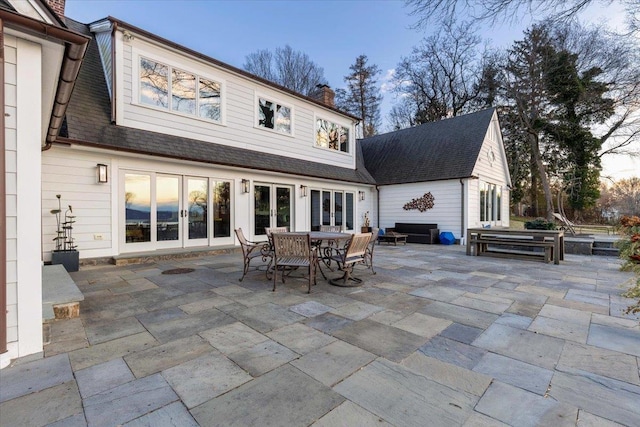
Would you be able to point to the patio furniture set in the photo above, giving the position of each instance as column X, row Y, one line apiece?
column 287, row 251
column 511, row 243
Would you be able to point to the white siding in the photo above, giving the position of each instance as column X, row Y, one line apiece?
column 238, row 128
column 446, row 211
column 494, row 171
column 23, row 109
column 99, row 208
column 11, row 195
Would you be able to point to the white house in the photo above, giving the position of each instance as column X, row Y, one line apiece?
column 161, row 148
column 460, row 161
column 40, row 62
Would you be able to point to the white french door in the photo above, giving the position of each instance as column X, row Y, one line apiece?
column 272, row 207
column 332, row 207
column 173, row 211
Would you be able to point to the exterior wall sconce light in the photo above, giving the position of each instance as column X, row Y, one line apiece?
column 103, row 173
column 303, row 191
column 245, row 186
column 361, row 195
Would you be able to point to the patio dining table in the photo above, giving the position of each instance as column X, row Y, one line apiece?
column 325, row 252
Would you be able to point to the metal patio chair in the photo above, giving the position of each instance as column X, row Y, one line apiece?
column 368, row 255
column 252, row 250
column 292, row 251
column 347, row 259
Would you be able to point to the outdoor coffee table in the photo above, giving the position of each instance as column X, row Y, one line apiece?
column 394, row 237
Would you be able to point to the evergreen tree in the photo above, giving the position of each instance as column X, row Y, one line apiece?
column 362, row 96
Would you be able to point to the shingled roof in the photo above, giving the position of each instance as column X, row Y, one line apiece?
column 447, row 149
column 88, row 122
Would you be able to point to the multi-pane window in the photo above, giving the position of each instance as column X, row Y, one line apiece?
column 331, row 135
column 170, row 88
column 490, row 202
column 272, row 115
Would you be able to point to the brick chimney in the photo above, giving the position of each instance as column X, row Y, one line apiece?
column 57, row 6
column 324, row 94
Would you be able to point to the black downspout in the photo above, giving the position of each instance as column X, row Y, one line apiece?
column 378, row 206
column 461, row 210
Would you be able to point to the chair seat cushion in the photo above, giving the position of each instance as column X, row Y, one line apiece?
column 294, row 261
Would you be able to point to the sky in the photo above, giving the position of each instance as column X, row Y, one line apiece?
column 332, row 33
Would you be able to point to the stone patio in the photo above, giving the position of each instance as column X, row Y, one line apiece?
column 435, row 338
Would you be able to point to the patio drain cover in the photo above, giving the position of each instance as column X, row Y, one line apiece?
column 178, row 271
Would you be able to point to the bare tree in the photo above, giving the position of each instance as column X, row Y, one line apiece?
column 440, row 76
column 362, row 95
column 286, row 67
column 429, row 11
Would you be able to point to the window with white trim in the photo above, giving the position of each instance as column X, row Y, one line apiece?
column 272, row 115
column 490, row 202
column 332, row 135
column 173, row 89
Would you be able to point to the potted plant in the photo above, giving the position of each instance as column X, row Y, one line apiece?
column 366, row 225
column 65, row 251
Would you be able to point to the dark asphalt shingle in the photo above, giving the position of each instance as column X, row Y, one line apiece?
column 447, row 149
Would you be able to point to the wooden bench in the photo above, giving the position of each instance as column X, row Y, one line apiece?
column 505, row 247
column 512, row 243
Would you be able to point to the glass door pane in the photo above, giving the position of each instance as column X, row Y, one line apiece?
column 197, row 208
column 326, row 208
column 167, row 208
column 222, row 209
column 262, row 209
column 283, row 207
column 337, row 208
column 316, row 208
column 137, row 200
column 349, row 208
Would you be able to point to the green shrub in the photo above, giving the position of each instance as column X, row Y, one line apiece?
column 539, row 224
column 629, row 247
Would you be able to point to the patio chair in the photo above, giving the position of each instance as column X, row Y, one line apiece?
column 292, row 251
column 368, row 255
column 331, row 228
column 347, row 259
column 252, row 250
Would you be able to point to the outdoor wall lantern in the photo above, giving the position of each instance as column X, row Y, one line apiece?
column 245, row 185
column 303, row 191
column 361, row 195
column 103, row 176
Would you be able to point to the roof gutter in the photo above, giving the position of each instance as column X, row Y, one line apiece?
column 76, row 46
column 3, row 209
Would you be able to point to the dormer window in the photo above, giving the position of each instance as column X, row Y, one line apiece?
column 272, row 115
column 170, row 88
column 332, row 135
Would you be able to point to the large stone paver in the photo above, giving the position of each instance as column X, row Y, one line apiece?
column 334, row 362
column 539, row 350
column 600, row 361
column 233, row 337
column 623, row 340
column 156, row 359
column 300, row 338
column 511, row 371
column 459, row 314
column 267, row 317
column 284, row 397
column 454, row 352
column 263, row 357
column 517, row 407
column 102, row 377
column 608, row 398
column 128, row 401
column 383, row 340
column 404, row 398
column 38, row 409
column 350, row 414
column 204, row 378
column 34, row 376
column 174, row 414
